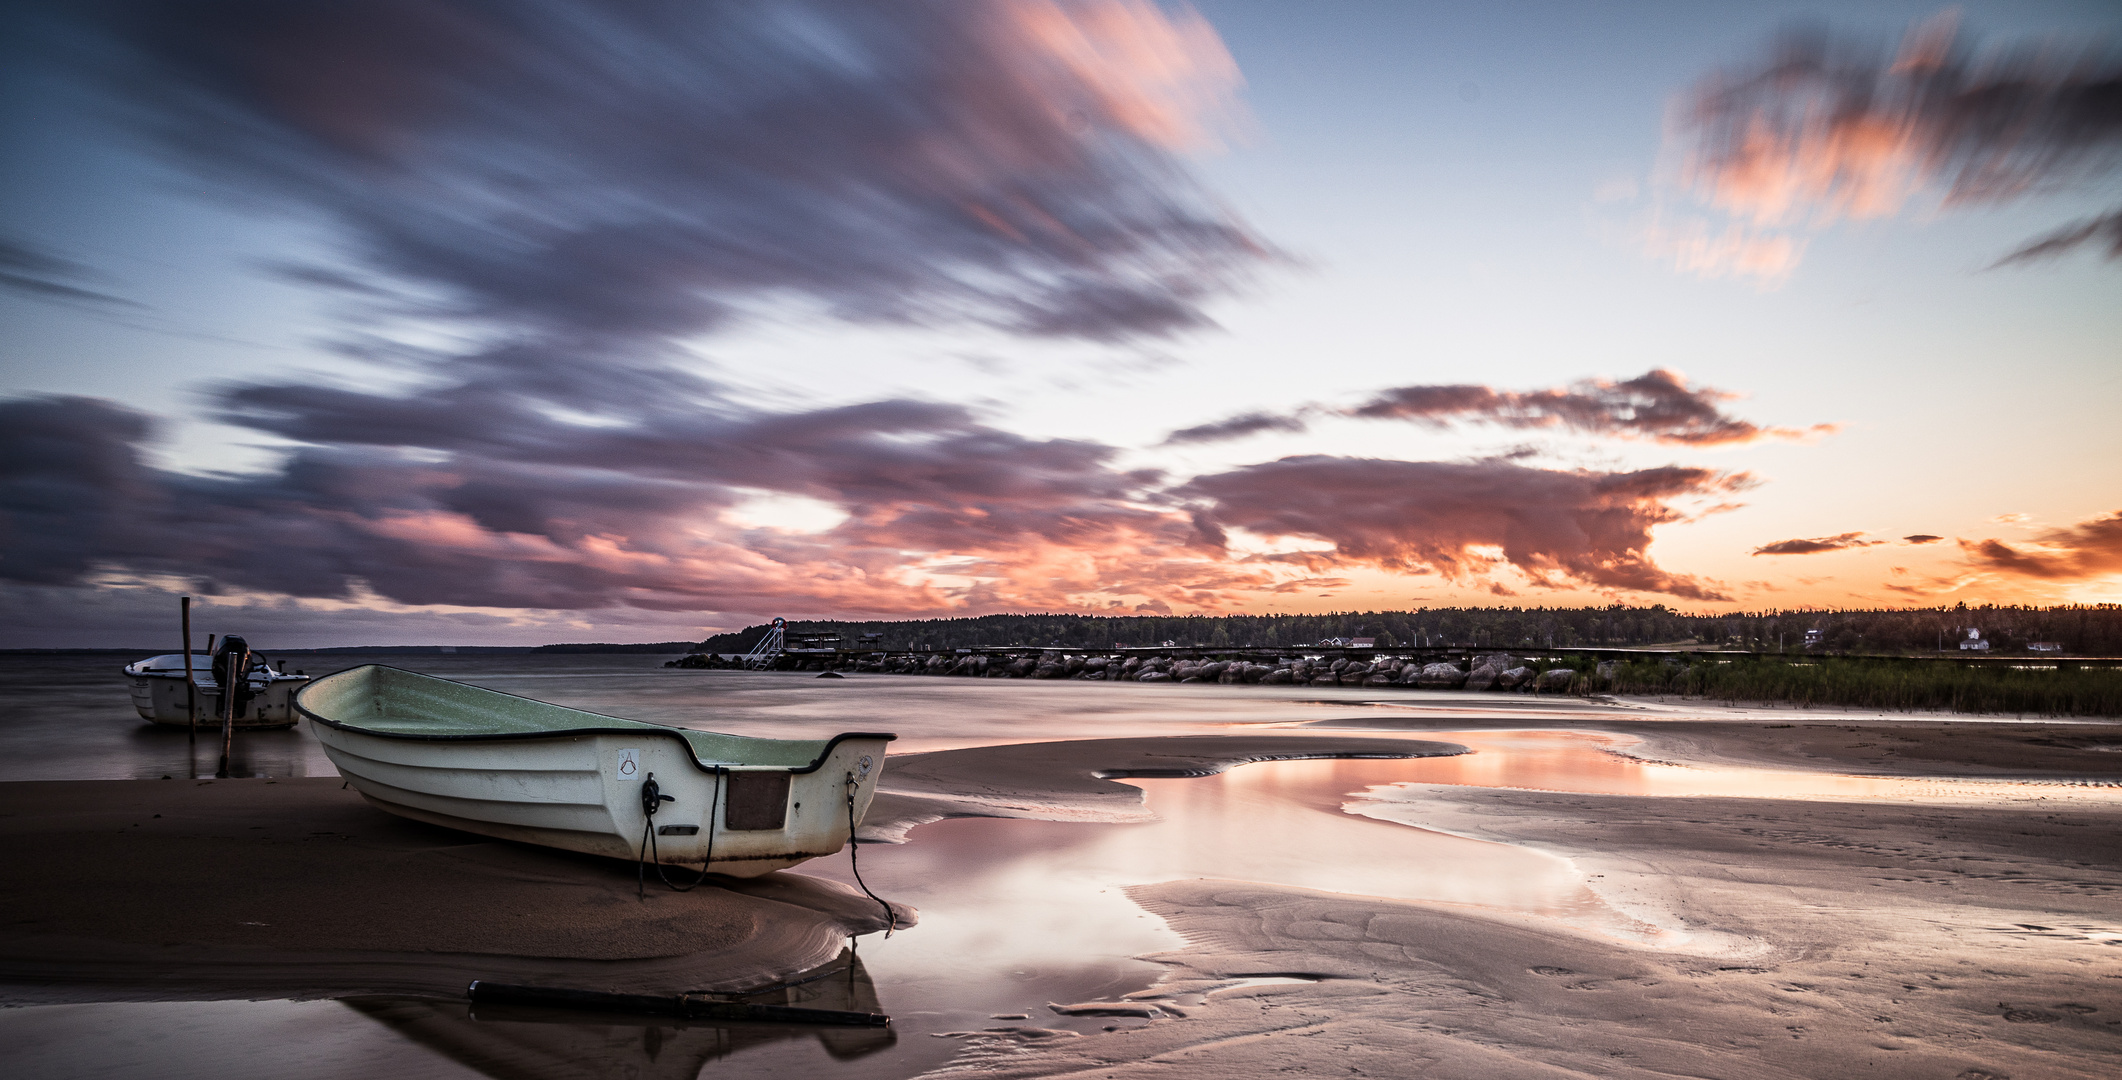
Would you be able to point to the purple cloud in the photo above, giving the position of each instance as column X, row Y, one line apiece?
column 1818, row 544
column 1556, row 527
column 651, row 169
column 1658, row 406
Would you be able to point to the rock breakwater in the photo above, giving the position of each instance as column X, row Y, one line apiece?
column 1492, row 671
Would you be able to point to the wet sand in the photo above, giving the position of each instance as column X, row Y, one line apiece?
column 146, row 889
column 1989, row 748
column 1974, row 935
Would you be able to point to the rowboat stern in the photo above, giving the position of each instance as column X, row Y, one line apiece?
column 765, row 818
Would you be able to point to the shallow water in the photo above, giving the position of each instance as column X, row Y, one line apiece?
column 1015, row 913
column 68, row 717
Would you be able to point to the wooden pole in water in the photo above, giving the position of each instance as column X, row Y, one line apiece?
column 239, row 663
column 191, row 697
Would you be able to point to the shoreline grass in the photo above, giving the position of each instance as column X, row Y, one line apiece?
column 1869, row 684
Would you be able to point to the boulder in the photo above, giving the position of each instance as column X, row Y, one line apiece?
column 1556, row 680
column 1339, row 666
column 1483, row 678
column 1440, row 677
column 1153, row 676
column 1326, row 679
column 1277, row 677
column 1378, row 678
column 1514, row 678
column 1409, row 674
column 1211, row 672
column 1050, row 671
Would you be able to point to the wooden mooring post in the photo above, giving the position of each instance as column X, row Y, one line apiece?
column 191, row 692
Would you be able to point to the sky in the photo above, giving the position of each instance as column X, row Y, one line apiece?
column 510, row 323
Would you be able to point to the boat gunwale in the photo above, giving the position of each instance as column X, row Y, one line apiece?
column 202, row 675
column 648, row 728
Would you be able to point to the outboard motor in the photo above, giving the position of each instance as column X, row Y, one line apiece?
column 232, row 662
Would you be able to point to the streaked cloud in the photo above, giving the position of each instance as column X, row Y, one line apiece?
column 1240, row 426
column 2104, row 230
column 1826, row 128
column 655, row 169
column 1657, row 406
column 27, row 269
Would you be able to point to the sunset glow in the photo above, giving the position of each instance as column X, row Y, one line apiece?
column 551, row 320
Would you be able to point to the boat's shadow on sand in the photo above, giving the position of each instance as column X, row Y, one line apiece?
column 511, row 1042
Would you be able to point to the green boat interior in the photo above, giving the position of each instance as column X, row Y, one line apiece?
column 395, row 703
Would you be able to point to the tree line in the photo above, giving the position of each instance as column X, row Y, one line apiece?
column 2084, row 629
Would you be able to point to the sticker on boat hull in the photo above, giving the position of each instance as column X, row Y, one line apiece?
column 629, row 764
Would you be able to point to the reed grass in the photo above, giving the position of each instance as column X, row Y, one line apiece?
column 1872, row 684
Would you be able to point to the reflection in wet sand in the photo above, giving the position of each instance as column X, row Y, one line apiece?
column 1603, row 763
column 514, row 1043
column 1017, row 914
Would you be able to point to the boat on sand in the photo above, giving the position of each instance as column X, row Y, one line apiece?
column 511, row 767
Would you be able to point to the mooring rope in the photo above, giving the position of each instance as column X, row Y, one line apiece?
column 652, row 800
column 891, row 918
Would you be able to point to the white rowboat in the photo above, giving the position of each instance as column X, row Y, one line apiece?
column 510, row 767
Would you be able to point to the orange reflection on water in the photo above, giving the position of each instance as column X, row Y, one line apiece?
column 1598, row 763
column 1282, row 823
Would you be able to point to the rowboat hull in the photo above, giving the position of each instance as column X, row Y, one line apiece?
column 581, row 788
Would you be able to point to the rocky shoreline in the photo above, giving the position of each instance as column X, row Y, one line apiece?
column 1486, row 671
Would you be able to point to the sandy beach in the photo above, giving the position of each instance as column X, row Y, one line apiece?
column 1961, row 919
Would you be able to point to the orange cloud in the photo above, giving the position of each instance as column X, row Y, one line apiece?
column 1738, row 251
column 2090, row 549
column 1165, row 78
